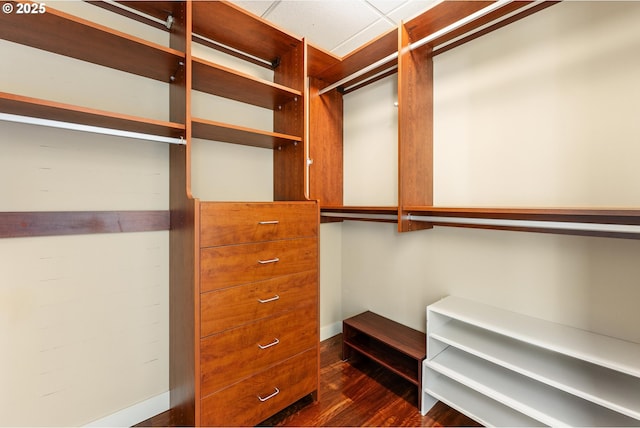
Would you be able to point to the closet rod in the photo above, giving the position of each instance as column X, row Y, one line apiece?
column 359, row 73
column 464, row 21
column 234, row 52
column 431, row 37
column 166, row 24
column 503, row 19
column 371, row 79
column 360, row 216
column 529, row 224
column 89, row 128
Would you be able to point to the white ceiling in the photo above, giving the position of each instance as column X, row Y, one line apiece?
column 338, row 26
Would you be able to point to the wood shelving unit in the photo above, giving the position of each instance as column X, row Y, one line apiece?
column 396, row 52
column 415, row 157
column 242, row 31
column 218, row 131
column 67, row 35
column 396, row 347
column 224, row 82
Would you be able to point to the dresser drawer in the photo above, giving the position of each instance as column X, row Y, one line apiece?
column 253, row 400
column 232, row 307
column 230, row 356
column 226, row 266
column 224, row 223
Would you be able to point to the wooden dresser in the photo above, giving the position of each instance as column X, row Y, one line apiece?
column 258, row 298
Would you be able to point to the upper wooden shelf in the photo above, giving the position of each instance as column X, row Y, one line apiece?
column 43, row 109
column 233, row 26
column 228, row 83
column 67, row 35
column 319, row 60
column 218, row 131
column 450, row 12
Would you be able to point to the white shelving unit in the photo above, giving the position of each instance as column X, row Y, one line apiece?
column 507, row 369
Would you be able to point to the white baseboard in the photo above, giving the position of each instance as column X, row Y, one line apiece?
column 135, row 414
column 330, row 330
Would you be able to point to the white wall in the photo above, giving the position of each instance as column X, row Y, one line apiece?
column 541, row 112
column 83, row 319
column 330, row 279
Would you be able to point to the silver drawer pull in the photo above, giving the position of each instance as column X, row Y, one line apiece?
column 263, row 399
column 264, row 262
column 269, row 345
column 273, row 299
column 269, row 222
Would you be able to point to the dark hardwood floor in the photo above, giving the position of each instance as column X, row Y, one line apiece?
column 355, row 394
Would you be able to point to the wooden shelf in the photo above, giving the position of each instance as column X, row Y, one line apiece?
column 218, row 131
column 234, row 27
column 319, row 60
column 43, row 109
column 64, row 34
column 447, row 13
column 396, row 347
column 606, row 222
column 225, row 82
column 389, row 358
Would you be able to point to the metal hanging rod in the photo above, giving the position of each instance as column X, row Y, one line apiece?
column 359, row 73
column 235, row 52
column 357, row 216
column 464, row 21
column 528, row 224
column 497, row 223
column 431, row 37
column 489, row 24
column 89, row 128
column 168, row 23
column 370, row 78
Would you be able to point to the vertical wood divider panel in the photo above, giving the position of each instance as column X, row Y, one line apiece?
column 325, row 145
column 183, row 239
column 415, row 129
column 289, row 160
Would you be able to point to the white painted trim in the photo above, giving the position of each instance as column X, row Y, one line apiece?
column 135, row 414
column 330, row 330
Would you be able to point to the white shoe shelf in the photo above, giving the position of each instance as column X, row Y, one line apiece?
column 502, row 368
